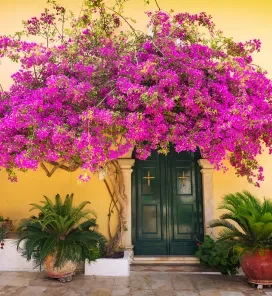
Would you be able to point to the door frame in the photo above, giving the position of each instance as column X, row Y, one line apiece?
column 126, row 164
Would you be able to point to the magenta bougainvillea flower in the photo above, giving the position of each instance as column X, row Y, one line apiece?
column 89, row 94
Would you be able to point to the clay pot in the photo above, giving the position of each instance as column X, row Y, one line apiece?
column 258, row 267
column 63, row 273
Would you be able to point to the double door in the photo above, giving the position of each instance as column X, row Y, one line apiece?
column 167, row 211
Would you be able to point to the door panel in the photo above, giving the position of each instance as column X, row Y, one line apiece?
column 167, row 204
column 183, row 204
column 150, row 220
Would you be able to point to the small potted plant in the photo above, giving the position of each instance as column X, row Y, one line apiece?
column 218, row 256
column 60, row 237
column 247, row 228
column 6, row 223
column 3, row 233
column 5, row 226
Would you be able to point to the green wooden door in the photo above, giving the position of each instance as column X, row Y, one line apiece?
column 167, row 204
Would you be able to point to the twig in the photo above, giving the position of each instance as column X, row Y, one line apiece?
column 47, row 34
column 109, row 217
column 114, row 240
column 35, row 73
column 57, row 29
column 170, row 34
column 48, row 173
column 62, row 25
column 69, row 168
column 82, row 4
column 103, row 20
column 105, row 97
column 60, row 165
column 157, row 48
column 112, row 198
column 224, row 43
column 154, row 38
column 47, row 41
column 157, row 5
column 131, row 27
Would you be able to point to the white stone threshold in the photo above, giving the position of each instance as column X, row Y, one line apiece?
column 165, row 260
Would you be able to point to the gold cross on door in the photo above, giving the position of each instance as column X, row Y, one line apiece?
column 148, row 177
column 183, row 178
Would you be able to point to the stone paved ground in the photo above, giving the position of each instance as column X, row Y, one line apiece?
column 140, row 283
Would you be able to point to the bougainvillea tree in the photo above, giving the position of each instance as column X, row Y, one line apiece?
column 91, row 92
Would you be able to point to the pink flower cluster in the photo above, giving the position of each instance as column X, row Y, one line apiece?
column 92, row 99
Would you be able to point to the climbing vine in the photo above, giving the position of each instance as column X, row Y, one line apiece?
column 116, row 188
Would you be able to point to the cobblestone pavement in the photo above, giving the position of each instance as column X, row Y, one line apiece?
column 140, row 283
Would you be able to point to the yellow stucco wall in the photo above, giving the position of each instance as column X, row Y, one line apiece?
column 243, row 19
column 16, row 197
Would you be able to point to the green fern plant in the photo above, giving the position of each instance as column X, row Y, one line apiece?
column 247, row 224
column 213, row 254
column 60, row 229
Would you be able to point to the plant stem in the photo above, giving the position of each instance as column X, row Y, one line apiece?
column 131, row 27
column 157, row 5
column 109, row 218
column 105, row 97
column 62, row 27
column 35, row 73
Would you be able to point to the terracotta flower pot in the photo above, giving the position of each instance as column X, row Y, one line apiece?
column 258, row 267
column 63, row 273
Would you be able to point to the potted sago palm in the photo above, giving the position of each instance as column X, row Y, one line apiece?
column 60, row 236
column 247, row 228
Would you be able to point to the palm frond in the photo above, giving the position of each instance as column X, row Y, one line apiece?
column 49, row 203
column 247, row 222
column 223, row 223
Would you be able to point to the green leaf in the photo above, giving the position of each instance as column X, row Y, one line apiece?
column 223, row 261
column 234, row 259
